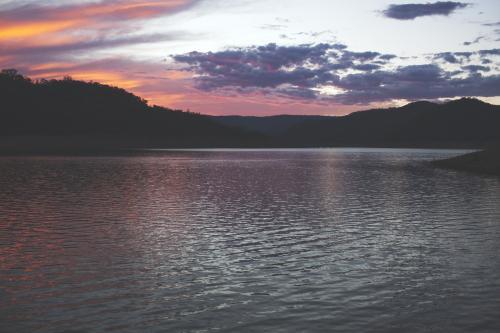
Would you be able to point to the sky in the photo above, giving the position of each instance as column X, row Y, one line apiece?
column 262, row 57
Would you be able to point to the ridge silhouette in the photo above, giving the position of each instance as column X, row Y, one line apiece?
column 76, row 114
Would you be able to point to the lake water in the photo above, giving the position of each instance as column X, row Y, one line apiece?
column 339, row 240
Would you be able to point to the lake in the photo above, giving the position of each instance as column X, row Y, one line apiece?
column 338, row 240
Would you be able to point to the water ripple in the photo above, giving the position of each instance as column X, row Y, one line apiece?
column 343, row 240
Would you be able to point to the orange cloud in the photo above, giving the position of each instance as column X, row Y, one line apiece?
column 88, row 15
column 30, row 29
column 111, row 78
column 131, row 9
column 97, row 75
column 164, row 99
column 28, row 23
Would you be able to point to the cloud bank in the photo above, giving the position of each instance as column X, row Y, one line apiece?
column 332, row 73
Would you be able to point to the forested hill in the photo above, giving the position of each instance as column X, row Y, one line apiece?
column 89, row 110
column 465, row 122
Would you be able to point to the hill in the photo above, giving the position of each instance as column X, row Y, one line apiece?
column 97, row 115
column 465, row 122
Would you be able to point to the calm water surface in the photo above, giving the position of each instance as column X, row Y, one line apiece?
column 346, row 240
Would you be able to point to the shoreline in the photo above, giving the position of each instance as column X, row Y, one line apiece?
column 486, row 162
column 107, row 151
column 82, row 145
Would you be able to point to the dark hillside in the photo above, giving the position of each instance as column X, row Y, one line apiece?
column 72, row 108
column 465, row 122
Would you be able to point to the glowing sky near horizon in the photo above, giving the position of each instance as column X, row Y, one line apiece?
column 262, row 57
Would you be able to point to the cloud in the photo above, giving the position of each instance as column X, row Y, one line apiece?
column 475, row 41
column 412, row 11
column 387, row 56
column 454, row 57
column 273, row 26
column 91, row 13
column 460, row 57
column 99, row 42
column 39, row 32
column 489, row 52
column 497, row 30
column 414, row 83
column 366, row 67
column 331, row 72
column 448, row 57
column 494, row 24
column 476, row 68
column 40, row 24
column 295, row 71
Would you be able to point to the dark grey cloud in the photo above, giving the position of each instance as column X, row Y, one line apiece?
column 494, row 24
column 296, row 71
column 460, row 57
column 361, row 56
column 366, row 67
column 412, row 11
column 449, row 57
column 475, row 41
column 463, row 54
column 388, row 56
column 476, row 68
column 268, row 66
column 269, row 57
column 489, row 52
column 413, row 83
column 363, row 77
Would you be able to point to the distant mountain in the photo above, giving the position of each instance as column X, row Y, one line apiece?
column 271, row 125
column 465, row 122
column 86, row 112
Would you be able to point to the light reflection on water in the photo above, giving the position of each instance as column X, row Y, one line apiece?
column 359, row 240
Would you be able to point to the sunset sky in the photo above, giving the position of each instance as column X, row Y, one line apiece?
column 262, row 57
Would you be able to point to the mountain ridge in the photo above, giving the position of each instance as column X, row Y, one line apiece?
column 462, row 122
column 91, row 115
